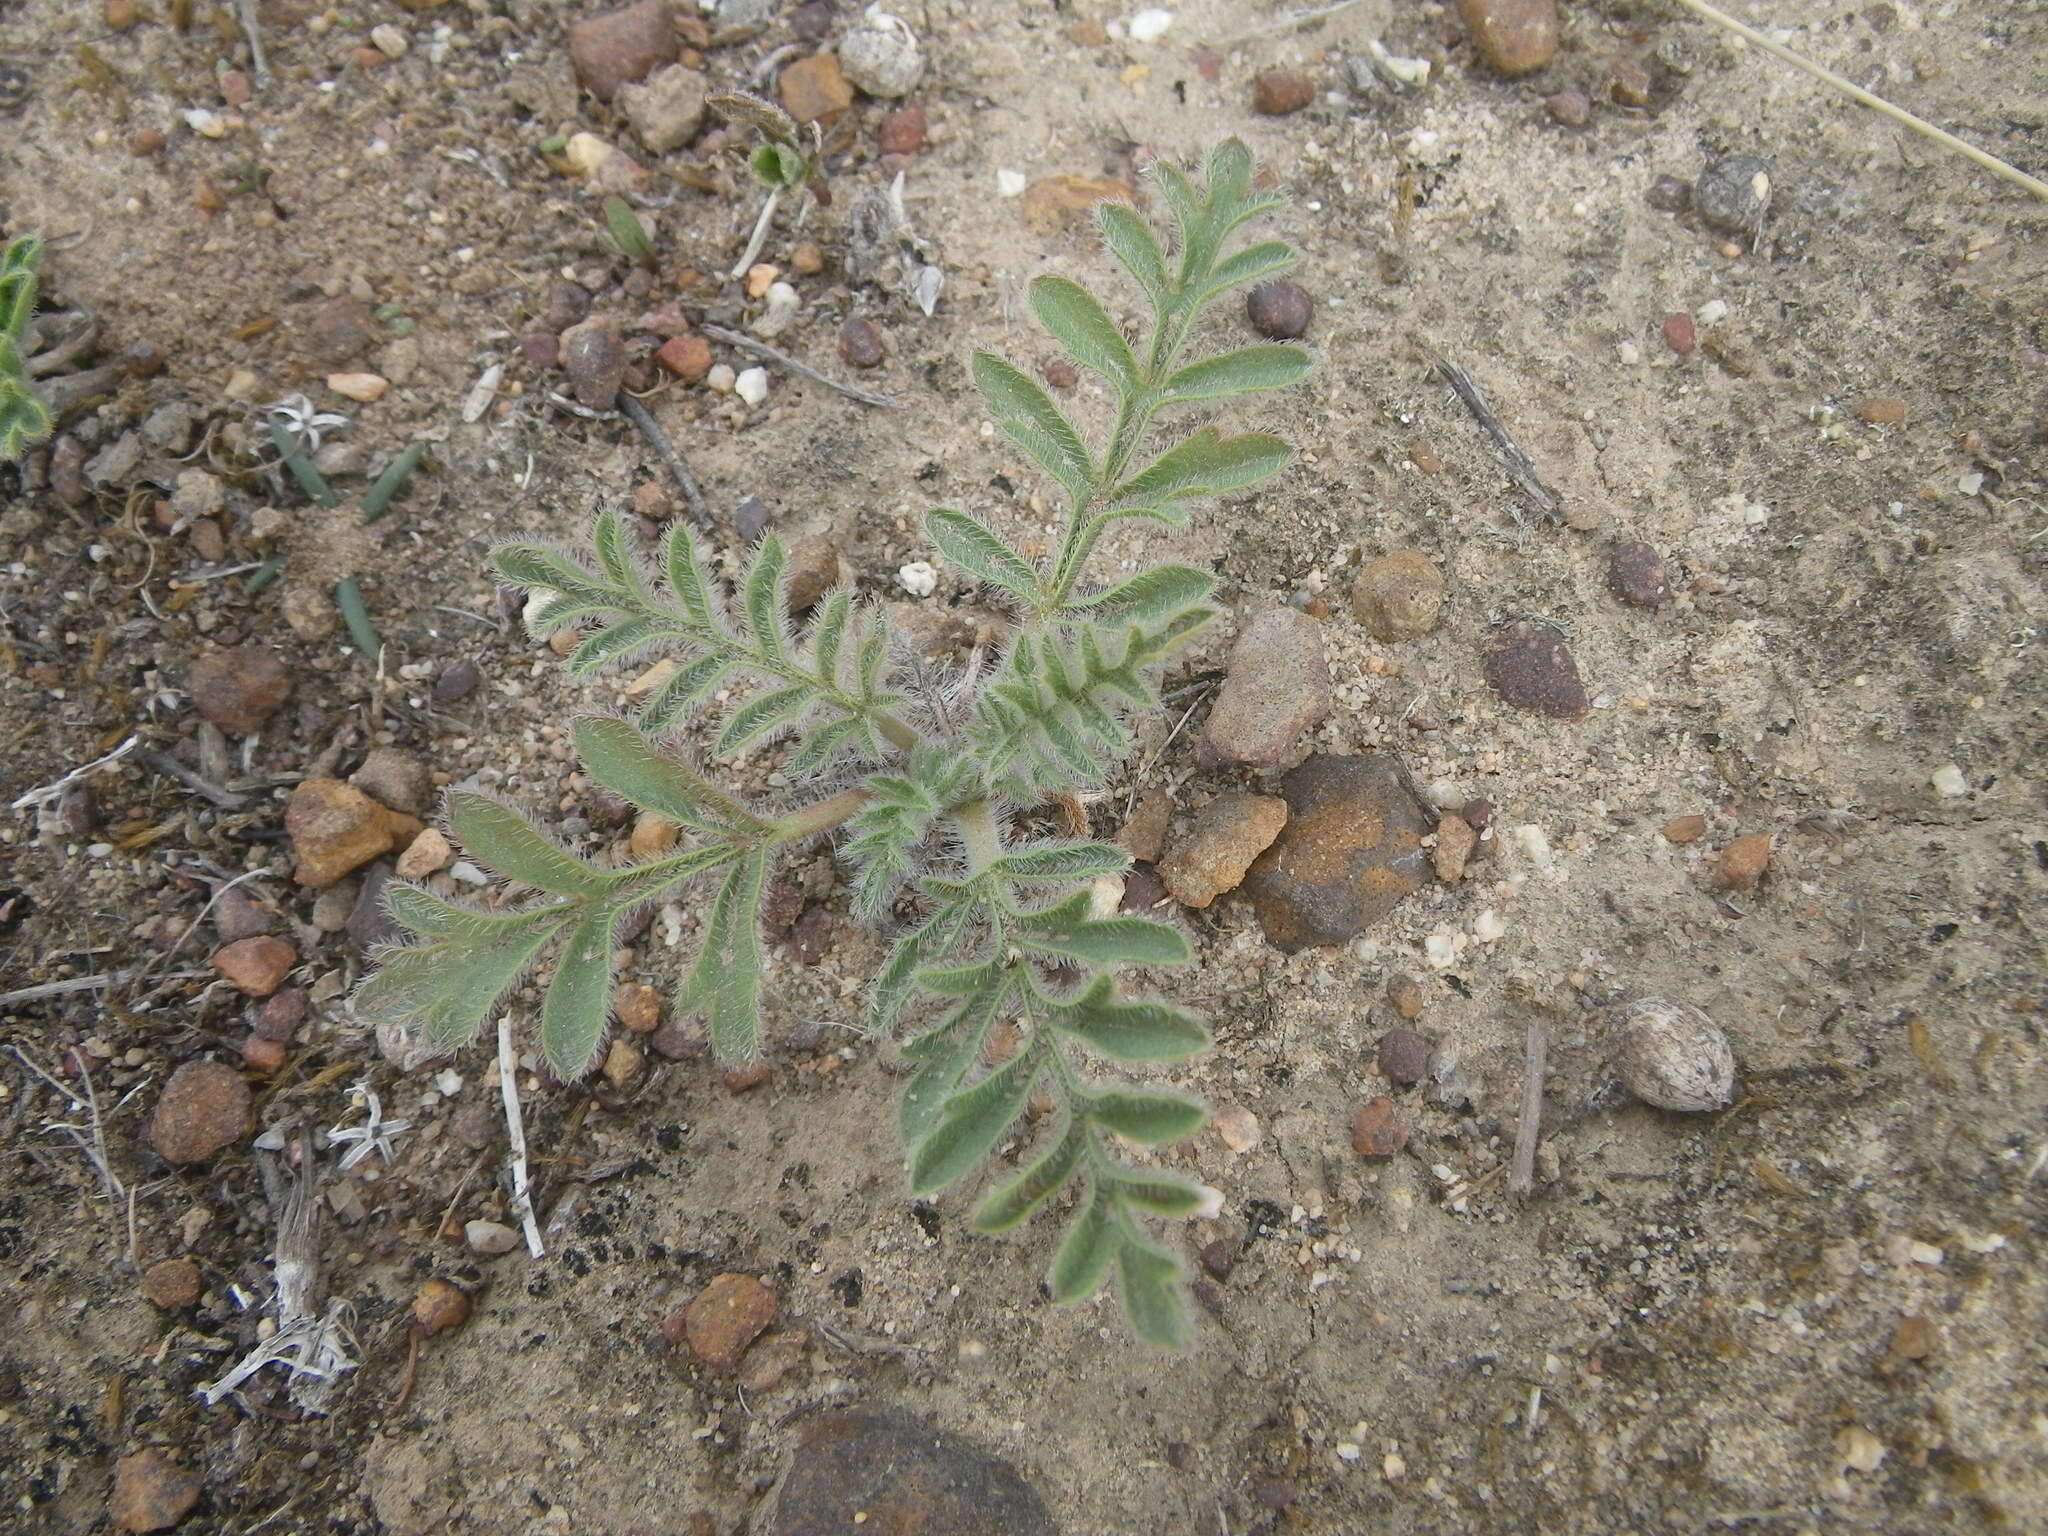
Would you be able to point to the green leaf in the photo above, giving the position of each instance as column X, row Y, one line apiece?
column 627, row 232
column 1024, row 1194
column 1148, row 1117
column 944, row 1057
column 1248, row 370
column 963, row 980
column 1148, row 597
column 1248, row 266
column 1229, row 173
column 1063, row 861
column 542, row 565
column 606, row 646
column 1149, row 1283
column 625, row 762
column 682, row 692
column 1158, row 1193
column 1027, row 416
column 828, row 635
column 1130, row 1032
column 1207, row 464
column 1073, row 318
column 506, row 841
column 683, row 564
column 453, row 985
column 761, row 595
column 973, row 1121
column 777, row 165
column 1110, row 941
column 1086, row 1252
column 726, row 981
column 24, row 420
column 819, row 747
column 975, row 550
column 1131, row 241
column 933, row 939
column 762, row 714
column 577, row 1008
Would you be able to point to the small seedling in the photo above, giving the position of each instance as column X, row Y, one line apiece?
column 628, row 233
column 779, row 162
column 1013, row 934
column 24, row 417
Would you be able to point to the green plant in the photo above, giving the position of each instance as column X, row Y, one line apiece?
column 779, row 162
column 1006, row 927
column 628, row 233
column 24, row 418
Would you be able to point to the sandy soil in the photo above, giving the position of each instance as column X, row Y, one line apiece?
column 1689, row 1326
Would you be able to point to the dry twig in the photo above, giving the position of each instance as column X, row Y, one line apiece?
column 1519, row 466
column 761, row 349
column 1522, row 1171
column 515, row 1133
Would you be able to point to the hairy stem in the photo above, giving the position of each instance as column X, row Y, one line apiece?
column 978, row 832
column 821, row 816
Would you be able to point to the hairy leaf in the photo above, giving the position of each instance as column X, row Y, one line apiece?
column 1027, row 416
column 726, row 981
column 761, row 595
column 1160, row 1194
column 761, row 714
column 1063, row 861
column 1024, row 1194
column 1131, row 241
column 684, row 691
column 970, row 546
column 577, row 1008
column 972, row 1122
column 625, row 762
column 507, row 842
column 453, row 983
column 1069, row 312
column 1248, row 370
column 1149, row 1117
column 1087, row 1250
column 944, row 1056
column 1131, row 1032
column 1207, row 464
column 1163, row 592
column 1148, row 1280
column 1109, row 941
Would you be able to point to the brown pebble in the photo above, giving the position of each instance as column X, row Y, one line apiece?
column 860, row 343
column 1532, row 669
column 614, row 48
column 239, row 688
column 282, row 1012
column 1914, row 1338
column 204, row 1107
column 1143, row 889
column 335, row 829
column 1635, row 574
column 1144, row 835
column 725, row 1317
column 1279, row 309
column 1516, row 37
column 1276, row 686
column 171, row 1284
column 1228, row 833
column 595, row 361
column 1455, row 841
column 746, row 1079
column 1681, row 335
column 1476, row 814
column 1883, row 411
column 1398, row 596
column 1061, row 374
column 120, row 15
column 260, row 1053
column 439, row 1306
column 815, row 90
column 1378, row 1130
column 257, row 966
column 1628, row 84
column 1571, row 108
column 1351, row 850
column 236, row 88
column 638, row 1007
column 148, row 142
column 1277, row 92
column 1219, row 1258
column 1405, row 993
column 1743, row 862
column 686, row 357
column 807, row 258
column 152, row 1492
column 1404, row 1054
column 813, row 570
column 1685, row 829
column 902, row 131
column 1424, row 457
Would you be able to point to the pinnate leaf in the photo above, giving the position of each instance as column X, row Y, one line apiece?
column 972, row 1122
column 1027, row 416
column 1063, row 861
column 1024, row 1194
column 1149, row 1283
column 975, row 550
column 725, row 983
column 1148, row 1117
column 1073, row 318
column 625, row 762
column 1248, row 370
column 508, row 843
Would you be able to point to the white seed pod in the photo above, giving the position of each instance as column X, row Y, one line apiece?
column 881, row 55
column 1674, row 1056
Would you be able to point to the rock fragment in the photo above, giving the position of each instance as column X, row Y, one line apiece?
column 1743, row 862
column 1398, row 596
column 256, row 966
column 1277, row 92
column 152, row 1492
column 204, row 1107
column 889, row 1471
column 1228, row 833
column 1515, row 37
column 1377, row 1130
column 667, row 110
column 1531, row 668
column 1455, row 841
column 335, row 829
column 1279, row 309
column 171, row 1284
column 815, row 90
column 396, row 778
column 239, row 688
column 1636, row 574
column 1673, row 1056
column 1351, row 849
column 1277, row 686
column 1733, row 194
column 614, row 48
column 1403, row 1056
column 725, row 1317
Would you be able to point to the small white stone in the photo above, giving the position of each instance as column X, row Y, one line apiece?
column 1712, row 310
column 881, row 54
column 204, row 123
column 1010, row 183
column 1105, row 895
column 536, row 603
column 919, row 578
column 720, row 379
column 1236, row 1127
column 1533, row 844
column 1949, row 782
column 1631, row 354
column 489, row 1237
column 389, row 41
column 365, row 387
column 1971, row 483
column 1487, row 926
column 783, row 304
column 1349, row 1452
column 1441, row 950
column 1149, row 25
column 752, row 385
column 448, row 1081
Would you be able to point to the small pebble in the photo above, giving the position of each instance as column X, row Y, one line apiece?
column 751, row 385
column 595, row 360
column 1669, row 194
column 1236, row 1127
column 203, row 1108
column 1571, row 108
column 389, row 40
column 860, row 343
column 1516, row 37
column 1403, row 1054
column 807, row 259
column 1277, row 685
column 366, row 387
column 1061, row 374
column 457, row 682
column 1279, row 309
column 1628, row 84
column 255, row 966
column 1883, row 411
column 1672, row 1056
column 1377, row 1129
column 439, row 1306
column 881, row 55
column 686, row 357
column 1915, row 1338
column 637, row 1007
column 240, row 688
column 171, row 1284
column 1398, row 596
column 489, row 1238
column 1406, row 996
column 1531, row 668
column 1635, row 574
column 614, row 47
column 1743, row 862
column 1455, row 841
column 902, row 131
column 1733, row 194
column 151, row 1492
column 1277, row 92
column 723, row 1319
column 1681, row 830
column 1680, row 335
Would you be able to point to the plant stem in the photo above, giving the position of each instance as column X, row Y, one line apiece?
column 979, row 833
column 760, row 235
column 820, row 816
